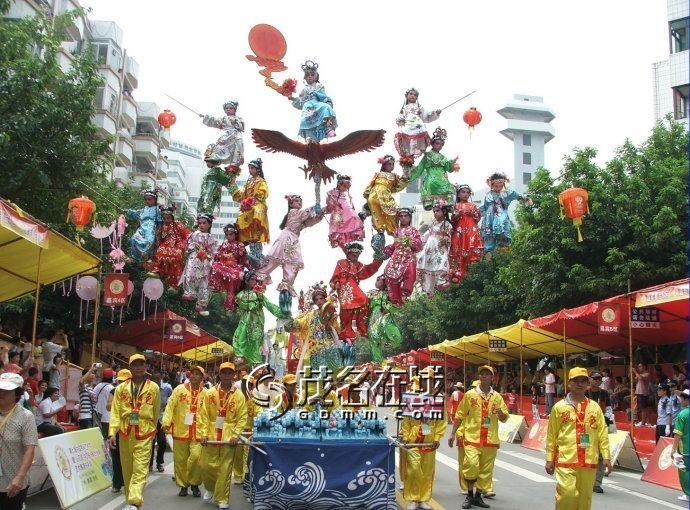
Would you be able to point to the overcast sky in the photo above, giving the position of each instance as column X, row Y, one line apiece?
column 590, row 60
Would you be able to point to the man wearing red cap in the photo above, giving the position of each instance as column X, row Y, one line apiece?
column 134, row 417
column 479, row 413
column 576, row 437
column 181, row 420
column 222, row 418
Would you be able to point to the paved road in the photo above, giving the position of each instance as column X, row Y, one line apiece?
column 520, row 483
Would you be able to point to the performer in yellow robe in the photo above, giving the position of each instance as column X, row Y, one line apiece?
column 181, row 419
column 222, row 418
column 254, row 408
column 134, row 417
column 381, row 204
column 479, row 413
column 576, row 437
column 420, row 463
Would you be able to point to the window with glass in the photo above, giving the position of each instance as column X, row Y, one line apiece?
column 526, row 158
column 680, row 102
column 526, row 178
column 679, row 35
column 526, row 140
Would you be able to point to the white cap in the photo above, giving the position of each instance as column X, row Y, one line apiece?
column 9, row 381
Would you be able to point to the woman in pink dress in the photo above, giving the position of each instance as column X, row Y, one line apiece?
column 345, row 225
column 228, row 266
column 466, row 246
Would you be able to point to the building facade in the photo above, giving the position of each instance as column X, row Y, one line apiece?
column 671, row 76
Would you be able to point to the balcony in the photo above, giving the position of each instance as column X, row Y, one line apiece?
column 125, row 151
column 128, row 114
column 105, row 123
column 142, row 180
column 131, row 73
column 146, row 150
column 165, row 138
column 121, row 175
column 75, row 28
column 148, row 112
column 106, row 31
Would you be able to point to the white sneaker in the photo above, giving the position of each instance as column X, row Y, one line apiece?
column 684, row 497
column 401, row 486
column 424, row 506
column 223, row 506
column 412, row 506
column 208, row 496
column 489, row 494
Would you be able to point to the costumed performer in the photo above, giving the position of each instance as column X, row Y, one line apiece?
column 201, row 248
column 228, row 266
column 433, row 168
column 576, row 438
column 381, row 205
column 317, row 333
column 249, row 335
column 168, row 260
column 286, row 251
column 181, row 419
column 354, row 304
column 143, row 242
column 229, row 149
column 345, row 225
column 412, row 139
column 318, row 119
column 212, row 184
column 432, row 261
column 420, row 462
column 466, row 245
column 382, row 329
column 478, row 414
column 401, row 269
column 222, row 418
column 497, row 229
column 252, row 221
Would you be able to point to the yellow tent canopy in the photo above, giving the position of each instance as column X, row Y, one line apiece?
column 209, row 352
column 32, row 254
column 534, row 343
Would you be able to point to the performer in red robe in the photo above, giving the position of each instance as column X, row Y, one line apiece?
column 466, row 246
column 354, row 303
column 228, row 266
column 401, row 269
column 172, row 243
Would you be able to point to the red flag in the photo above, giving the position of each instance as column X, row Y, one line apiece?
column 176, row 329
column 609, row 316
column 115, row 285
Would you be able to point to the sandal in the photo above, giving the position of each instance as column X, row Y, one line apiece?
column 160, row 468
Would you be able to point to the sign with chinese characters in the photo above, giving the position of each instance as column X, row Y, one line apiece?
column 647, row 318
column 436, row 355
column 609, row 318
column 116, row 286
column 216, row 350
column 498, row 345
column 176, row 329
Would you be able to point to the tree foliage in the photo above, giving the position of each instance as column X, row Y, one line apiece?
column 48, row 145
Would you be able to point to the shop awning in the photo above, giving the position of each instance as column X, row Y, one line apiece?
column 660, row 316
column 148, row 334
column 209, row 352
column 32, row 253
column 533, row 342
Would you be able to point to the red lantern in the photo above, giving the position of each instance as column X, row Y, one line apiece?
column 574, row 205
column 472, row 117
column 80, row 211
column 167, row 119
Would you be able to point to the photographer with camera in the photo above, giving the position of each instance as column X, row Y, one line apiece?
column 604, row 399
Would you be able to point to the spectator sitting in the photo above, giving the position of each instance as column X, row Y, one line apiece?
column 46, row 422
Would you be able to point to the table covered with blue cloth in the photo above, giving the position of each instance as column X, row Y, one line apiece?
column 322, row 476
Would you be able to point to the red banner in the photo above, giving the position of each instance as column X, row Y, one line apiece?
column 536, row 437
column 609, row 316
column 176, row 329
column 660, row 469
column 115, row 285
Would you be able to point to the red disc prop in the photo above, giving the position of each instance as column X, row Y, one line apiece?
column 267, row 42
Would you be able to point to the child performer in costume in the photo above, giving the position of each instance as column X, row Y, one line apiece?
column 413, row 138
column 497, row 229
column 345, row 225
column 432, row 261
column 382, row 329
column 286, row 251
column 401, row 269
column 577, row 436
column 317, row 333
column 229, row 149
column 433, row 168
column 466, row 245
column 253, row 219
column 379, row 195
column 143, row 242
column 201, row 248
column 353, row 301
column 168, row 260
column 318, row 118
column 213, row 182
column 249, row 335
column 228, row 266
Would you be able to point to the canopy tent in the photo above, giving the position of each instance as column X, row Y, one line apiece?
column 424, row 357
column 583, row 323
column 533, row 342
column 209, row 352
column 32, row 254
column 149, row 334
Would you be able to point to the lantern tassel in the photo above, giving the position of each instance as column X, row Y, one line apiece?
column 577, row 222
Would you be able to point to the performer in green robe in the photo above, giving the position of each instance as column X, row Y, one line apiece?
column 433, row 168
column 382, row 329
